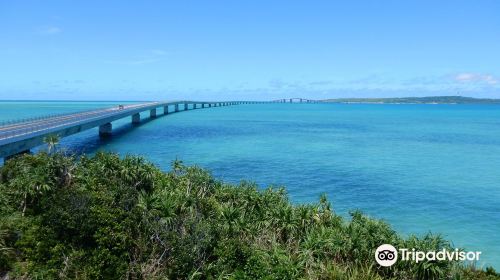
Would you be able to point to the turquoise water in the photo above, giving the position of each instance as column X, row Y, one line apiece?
column 420, row 167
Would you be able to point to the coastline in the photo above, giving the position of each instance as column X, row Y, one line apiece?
column 208, row 226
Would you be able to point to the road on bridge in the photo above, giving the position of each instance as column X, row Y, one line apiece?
column 28, row 127
column 20, row 137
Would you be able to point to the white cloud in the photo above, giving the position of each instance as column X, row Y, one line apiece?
column 477, row 78
column 49, row 30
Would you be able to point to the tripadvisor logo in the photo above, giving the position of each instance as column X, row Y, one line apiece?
column 387, row 255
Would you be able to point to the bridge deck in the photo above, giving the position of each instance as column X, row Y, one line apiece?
column 26, row 128
column 22, row 136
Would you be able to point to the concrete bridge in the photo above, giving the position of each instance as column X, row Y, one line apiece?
column 296, row 100
column 19, row 137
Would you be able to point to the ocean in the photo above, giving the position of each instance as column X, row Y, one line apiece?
column 421, row 168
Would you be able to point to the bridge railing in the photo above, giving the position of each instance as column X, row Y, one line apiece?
column 38, row 124
column 43, row 117
column 6, row 123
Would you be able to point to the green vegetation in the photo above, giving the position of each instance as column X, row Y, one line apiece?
column 109, row 218
column 418, row 100
column 52, row 141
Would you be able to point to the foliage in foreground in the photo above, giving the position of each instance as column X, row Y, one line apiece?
column 110, row 218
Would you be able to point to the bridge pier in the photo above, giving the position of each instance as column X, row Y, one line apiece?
column 136, row 118
column 105, row 129
column 186, row 106
column 165, row 110
column 176, row 108
column 152, row 113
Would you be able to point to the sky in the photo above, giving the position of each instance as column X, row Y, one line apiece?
column 248, row 50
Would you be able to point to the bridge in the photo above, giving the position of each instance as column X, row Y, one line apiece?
column 21, row 136
column 296, row 100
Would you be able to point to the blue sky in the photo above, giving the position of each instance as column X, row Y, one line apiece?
column 161, row 50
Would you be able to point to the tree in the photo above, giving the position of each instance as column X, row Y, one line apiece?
column 52, row 141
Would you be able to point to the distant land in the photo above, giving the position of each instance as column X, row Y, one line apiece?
column 418, row 100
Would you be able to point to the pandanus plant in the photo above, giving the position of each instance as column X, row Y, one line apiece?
column 52, row 141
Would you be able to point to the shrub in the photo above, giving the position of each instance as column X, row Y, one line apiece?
column 106, row 217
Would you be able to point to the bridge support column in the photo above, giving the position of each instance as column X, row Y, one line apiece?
column 152, row 113
column 165, row 110
column 16, row 155
column 136, row 118
column 176, row 107
column 105, row 129
column 186, row 106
